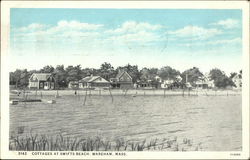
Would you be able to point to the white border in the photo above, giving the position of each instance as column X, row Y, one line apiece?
column 6, row 5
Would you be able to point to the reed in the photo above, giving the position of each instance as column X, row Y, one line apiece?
column 59, row 142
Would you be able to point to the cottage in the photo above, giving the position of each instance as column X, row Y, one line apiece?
column 144, row 84
column 148, row 84
column 210, row 84
column 41, row 81
column 204, row 83
column 201, row 84
column 122, row 80
column 73, row 84
column 237, row 81
column 158, row 78
column 93, row 82
column 169, row 83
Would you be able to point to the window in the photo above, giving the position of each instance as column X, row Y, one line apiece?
column 41, row 85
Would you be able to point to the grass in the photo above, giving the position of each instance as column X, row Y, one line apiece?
column 61, row 143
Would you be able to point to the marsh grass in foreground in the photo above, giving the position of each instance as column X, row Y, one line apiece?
column 62, row 143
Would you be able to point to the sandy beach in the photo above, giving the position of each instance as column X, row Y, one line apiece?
column 134, row 92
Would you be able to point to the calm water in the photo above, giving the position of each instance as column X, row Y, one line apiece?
column 214, row 121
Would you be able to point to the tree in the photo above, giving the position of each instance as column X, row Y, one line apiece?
column 15, row 76
column 148, row 74
column 168, row 73
column 47, row 69
column 145, row 75
column 192, row 75
column 60, row 76
column 73, row 73
column 20, row 78
column 107, row 71
column 220, row 79
column 89, row 71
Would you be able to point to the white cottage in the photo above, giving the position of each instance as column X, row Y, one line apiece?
column 41, row 81
column 93, row 82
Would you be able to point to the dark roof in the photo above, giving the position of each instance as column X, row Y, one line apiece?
column 237, row 76
column 42, row 76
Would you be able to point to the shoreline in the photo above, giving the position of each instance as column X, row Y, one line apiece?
column 132, row 92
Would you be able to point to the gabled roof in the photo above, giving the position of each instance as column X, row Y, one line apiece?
column 237, row 76
column 92, row 79
column 121, row 74
column 89, row 78
column 41, row 76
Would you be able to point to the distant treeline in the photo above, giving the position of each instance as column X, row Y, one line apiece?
column 20, row 78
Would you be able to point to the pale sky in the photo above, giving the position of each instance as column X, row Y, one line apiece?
column 145, row 37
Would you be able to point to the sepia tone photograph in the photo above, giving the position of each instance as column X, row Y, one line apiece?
column 108, row 81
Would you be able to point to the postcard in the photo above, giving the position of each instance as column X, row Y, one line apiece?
column 124, row 80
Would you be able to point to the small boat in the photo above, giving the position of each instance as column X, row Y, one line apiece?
column 15, row 92
column 52, row 101
column 14, row 102
column 134, row 95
